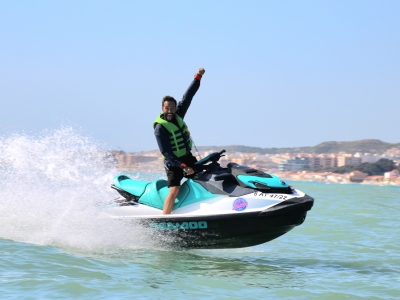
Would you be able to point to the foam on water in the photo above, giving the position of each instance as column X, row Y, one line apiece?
column 52, row 188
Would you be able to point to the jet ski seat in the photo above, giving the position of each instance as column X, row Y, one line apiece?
column 157, row 191
column 134, row 187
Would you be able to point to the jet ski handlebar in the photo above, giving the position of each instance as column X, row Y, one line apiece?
column 213, row 157
column 200, row 165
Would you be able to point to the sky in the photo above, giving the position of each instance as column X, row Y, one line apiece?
column 278, row 73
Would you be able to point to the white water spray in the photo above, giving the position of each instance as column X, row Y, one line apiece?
column 52, row 188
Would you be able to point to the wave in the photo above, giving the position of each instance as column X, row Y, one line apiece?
column 52, row 188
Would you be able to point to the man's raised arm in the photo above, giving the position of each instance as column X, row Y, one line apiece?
column 184, row 104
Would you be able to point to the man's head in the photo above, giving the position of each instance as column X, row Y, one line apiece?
column 169, row 107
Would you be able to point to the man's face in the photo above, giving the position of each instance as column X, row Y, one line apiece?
column 169, row 110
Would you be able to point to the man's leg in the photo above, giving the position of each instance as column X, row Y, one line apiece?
column 175, row 175
column 170, row 200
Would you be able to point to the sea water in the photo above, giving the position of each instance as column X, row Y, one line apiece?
column 56, row 243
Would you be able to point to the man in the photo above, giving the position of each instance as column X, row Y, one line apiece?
column 173, row 139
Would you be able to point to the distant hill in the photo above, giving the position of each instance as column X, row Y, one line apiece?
column 370, row 146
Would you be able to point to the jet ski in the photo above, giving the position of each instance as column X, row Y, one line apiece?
column 233, row 207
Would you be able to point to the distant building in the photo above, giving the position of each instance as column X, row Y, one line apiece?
column 368, row 158
column 357, row 176
column 333, row 177
column 132, row 161
column 293, row 165
column 320, row 161
column 393, row 152
column 348, row 159
column 377, row 179
column 391, row 175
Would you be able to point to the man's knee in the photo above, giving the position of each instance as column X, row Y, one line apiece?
column 174, row 190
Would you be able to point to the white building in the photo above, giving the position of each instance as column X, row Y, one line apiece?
column 368, row 158
column 392, row 174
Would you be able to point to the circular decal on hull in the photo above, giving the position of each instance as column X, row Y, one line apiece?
column 239, row 204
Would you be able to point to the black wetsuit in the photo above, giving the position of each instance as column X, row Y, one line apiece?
column 172, row 162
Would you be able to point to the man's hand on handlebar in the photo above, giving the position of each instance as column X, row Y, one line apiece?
column 201, row 165
column 188, row 170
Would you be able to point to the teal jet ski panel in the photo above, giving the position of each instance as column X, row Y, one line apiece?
column 271, row 181
column 197, row 193
column 134, row 187
column 157, row 191
column 189, row 193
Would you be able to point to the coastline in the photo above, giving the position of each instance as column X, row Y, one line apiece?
column 157, row 166
column 328, row 177
column 153, row 162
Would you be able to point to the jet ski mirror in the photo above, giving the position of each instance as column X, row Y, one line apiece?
column 218, row 155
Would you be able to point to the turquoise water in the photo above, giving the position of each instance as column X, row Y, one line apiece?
column 55, row 243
